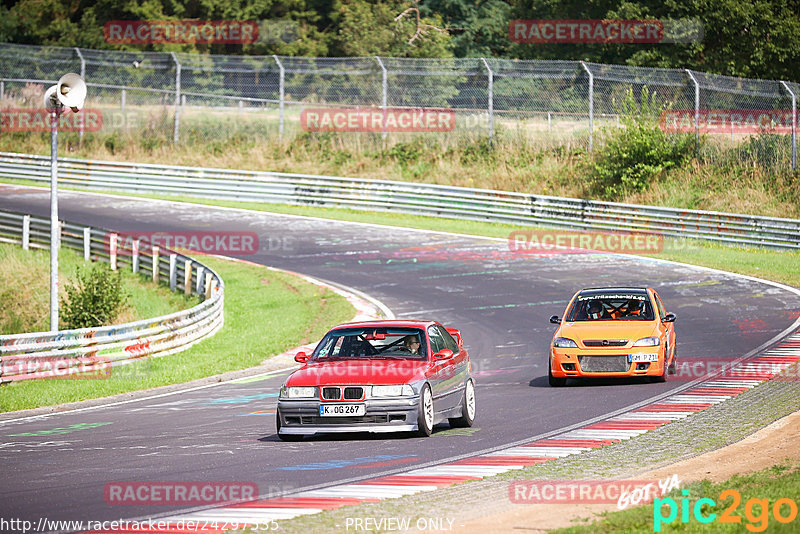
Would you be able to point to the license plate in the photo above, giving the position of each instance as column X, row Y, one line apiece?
column 341, row 410
column 643, row 357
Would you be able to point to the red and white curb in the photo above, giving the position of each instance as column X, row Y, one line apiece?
column 592, row 436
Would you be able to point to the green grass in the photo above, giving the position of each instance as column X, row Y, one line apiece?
column 25, row 290
column 266, row 313
column 777, row 482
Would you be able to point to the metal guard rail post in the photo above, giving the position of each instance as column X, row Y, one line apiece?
column 420, row 199
column 96, row 350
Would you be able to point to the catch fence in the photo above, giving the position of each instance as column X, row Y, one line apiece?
column 193, row 98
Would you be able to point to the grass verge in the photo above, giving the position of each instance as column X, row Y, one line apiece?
column 25, row 290
column 266, row 313
column 751, row 507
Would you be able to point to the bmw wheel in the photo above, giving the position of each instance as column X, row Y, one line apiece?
column 467, row 407
column 425, row 412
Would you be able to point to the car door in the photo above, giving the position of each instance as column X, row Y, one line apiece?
column 453, row 371
column 438, row 374
column 668, row 329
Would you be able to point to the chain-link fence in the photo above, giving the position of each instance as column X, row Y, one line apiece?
column 190, row 98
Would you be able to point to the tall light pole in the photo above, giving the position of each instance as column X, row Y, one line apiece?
column 70, row 91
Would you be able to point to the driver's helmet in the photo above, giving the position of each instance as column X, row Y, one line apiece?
column 635, row 307
column 594, row 310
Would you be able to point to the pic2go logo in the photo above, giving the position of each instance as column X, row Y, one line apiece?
column 757, row 511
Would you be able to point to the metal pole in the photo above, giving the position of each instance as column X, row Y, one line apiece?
column 83, row 77
column 55, row 233
column 384, row 94
column 696, row 111
column 280, row 89
column 177, row 98
column 794, row 125
column 490, row 119
column 591, row 105
column 122, row 101
column 26, row 232
column 2, row 90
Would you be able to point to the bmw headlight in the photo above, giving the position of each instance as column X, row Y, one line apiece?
column 564, row 342
column 298, row 392
column 403, row 390
column 647, row 342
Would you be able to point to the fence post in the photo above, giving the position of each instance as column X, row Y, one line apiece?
column 591, row 105
column 384, row 94
column 173, row 271
column 26, row 232
column 2, row 89
column 187, row 277
column 208, row 286
column 199, row 282
column 794, row 125
column 112, row 251
column 135, row 256
column 155, row 264
column 696, row 111
column 177, row 98
column 122, row 101
column 87, row 243
column 83, row 76
column 490, row 119
column 281, row 94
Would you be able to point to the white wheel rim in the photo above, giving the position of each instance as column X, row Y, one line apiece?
column 427, row 406
column 470, row 394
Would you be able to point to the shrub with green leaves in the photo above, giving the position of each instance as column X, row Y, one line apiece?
column 95, row 299
column 632, row 156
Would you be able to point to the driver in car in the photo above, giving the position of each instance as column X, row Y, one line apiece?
column 411, row 344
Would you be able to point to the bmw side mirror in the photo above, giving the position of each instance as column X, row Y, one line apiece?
column 554, row 319
column 443, row 354
column 301, row 357
column 669, row 318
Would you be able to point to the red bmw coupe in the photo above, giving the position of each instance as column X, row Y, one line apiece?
column 379, row 376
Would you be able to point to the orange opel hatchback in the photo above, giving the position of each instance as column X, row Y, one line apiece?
column 613, row 332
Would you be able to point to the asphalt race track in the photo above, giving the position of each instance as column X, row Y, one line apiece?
column 501, row 303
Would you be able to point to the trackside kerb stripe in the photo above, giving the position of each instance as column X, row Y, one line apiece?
column 592, row 436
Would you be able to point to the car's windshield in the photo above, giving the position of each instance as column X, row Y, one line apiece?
column 366, row 343
column 611, row 307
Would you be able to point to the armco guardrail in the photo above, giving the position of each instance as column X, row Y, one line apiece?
column 95, row 350
column 418, row 199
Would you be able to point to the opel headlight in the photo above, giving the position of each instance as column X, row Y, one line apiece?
column 564, row 342
column 298, row 392
column 647, row 342
column 403, row 390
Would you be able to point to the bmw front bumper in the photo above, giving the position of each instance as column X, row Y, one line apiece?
column 301, row 416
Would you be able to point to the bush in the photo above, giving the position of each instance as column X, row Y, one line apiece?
column 634, row 155
column 96, row 299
